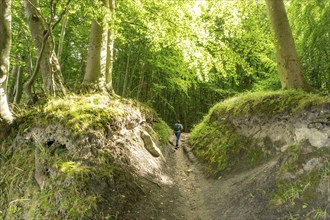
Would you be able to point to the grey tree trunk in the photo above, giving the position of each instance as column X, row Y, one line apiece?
column 110, row 48
column 5, row 44
column 15, row 92
column 18, row 89
column 48, row 63
column 95, row 75
column 98, row 75
column 61, row 40
column 288, row 63
column 11, row 90
column 123, row 93
column 95, row 70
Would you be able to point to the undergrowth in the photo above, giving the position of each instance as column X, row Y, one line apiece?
column 163, row 131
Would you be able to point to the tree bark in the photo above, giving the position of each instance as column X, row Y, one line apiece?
column 62, row 36
column 48, row 63
column 288, row 63
column 95, row 75
column 5, row 44
column 18, row 89
column 123, row 93
column 110, row 49
column 11, row 90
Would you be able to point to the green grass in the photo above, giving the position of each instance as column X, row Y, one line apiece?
column 163, row 131
column 269, row 103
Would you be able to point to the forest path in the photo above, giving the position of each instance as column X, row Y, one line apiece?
column 193, row 196
column 189, row 182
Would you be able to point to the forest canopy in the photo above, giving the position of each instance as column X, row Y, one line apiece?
column 179, row 57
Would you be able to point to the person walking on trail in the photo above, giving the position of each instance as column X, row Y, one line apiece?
column 177, row 131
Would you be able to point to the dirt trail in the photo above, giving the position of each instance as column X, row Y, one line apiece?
column 189, row 181
column 195, row 197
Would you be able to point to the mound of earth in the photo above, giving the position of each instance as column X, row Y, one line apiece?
column 91, row 157
column 271, row 153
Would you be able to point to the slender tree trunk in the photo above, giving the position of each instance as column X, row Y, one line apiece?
column 288, row 63
column 95, row 75
column 18, row 89
column 140, row 86
column 48, row 63
column 11, row 90
column 62, row 36
column 110, row 49
column 5, row 44
column 123, row 93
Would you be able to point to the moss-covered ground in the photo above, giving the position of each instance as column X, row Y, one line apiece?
column 218, row 145
column 72, row 187
column 215, row 140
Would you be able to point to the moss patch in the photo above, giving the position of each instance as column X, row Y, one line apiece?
column 296, row 188
column 67, row 190
column 216, row 141
column 40, row 180
column 225, row 148
column 269, row 103
column 163, row 130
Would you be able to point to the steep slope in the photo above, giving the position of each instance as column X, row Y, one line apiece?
column 83, row 157
column 284, row 134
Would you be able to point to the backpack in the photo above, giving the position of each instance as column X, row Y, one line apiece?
column 177, row 127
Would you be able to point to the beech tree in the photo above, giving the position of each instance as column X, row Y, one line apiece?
column 110, row 48
column 5, row 44
column 47, row 61
column 288, row 63
column 98, row 73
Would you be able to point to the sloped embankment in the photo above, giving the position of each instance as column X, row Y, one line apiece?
column 284, row 135
column 90, row 157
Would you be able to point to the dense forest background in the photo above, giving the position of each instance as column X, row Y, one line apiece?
column 179, row 57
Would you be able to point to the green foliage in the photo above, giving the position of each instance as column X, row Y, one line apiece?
column 219, row 146
column 190, row 56
column 311, row 33
column 271, row 83
column 163, row 131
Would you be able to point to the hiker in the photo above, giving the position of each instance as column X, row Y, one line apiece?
column 177, row 131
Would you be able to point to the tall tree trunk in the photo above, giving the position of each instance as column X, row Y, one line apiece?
column 123, row 93
column 140, row 85
column 110, row 48
column 48, row 63
column 288, row 63
column 5, row 44
column 95, row 75
column 61, row 40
